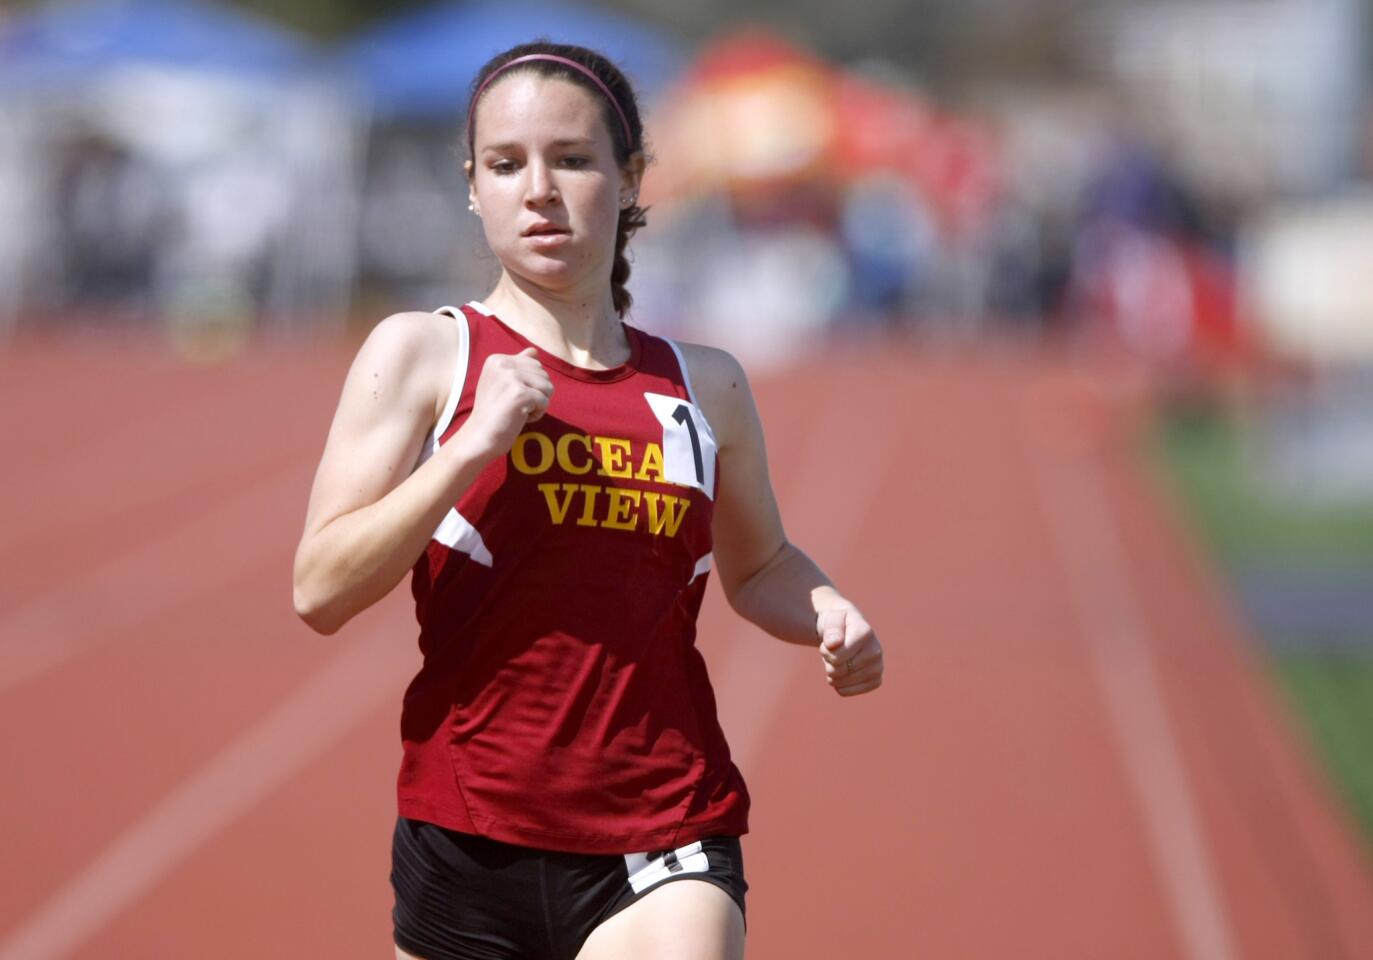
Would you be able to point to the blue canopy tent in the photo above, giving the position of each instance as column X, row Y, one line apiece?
column 71, row 42
column 420, row 65
column 162, row 108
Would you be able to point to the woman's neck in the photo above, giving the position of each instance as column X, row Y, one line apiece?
column 583, row 330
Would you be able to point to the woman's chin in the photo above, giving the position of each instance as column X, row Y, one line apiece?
column 549, row 270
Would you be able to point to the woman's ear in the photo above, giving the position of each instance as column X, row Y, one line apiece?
column 631, row 177
column 471, row 188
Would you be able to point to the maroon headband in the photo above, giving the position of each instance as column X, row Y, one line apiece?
column 471, row 108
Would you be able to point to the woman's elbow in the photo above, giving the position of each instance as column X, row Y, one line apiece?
column 310, row 594
column 738, row 584
column 739, row 596
column 315, row 601
column 318, row 615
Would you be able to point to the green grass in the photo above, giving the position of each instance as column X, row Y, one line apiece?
column 1207, row 462
column 1211, row 462
column 1333, row 695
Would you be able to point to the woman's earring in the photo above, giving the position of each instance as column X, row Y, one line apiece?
column 473, row 207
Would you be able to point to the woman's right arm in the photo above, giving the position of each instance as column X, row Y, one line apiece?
column 369, row 516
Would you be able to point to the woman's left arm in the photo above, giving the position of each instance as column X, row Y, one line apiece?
column 767, row 579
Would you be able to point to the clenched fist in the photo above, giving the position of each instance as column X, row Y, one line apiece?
column 850, row 651
column 514, row 389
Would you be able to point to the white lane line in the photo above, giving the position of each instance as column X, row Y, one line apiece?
column 845, row 461
column 366, row 673
column 116, row 598
column 1092, row 556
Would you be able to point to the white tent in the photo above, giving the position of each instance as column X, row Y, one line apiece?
column 185, row 159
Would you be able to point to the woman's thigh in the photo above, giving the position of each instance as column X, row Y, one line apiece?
column 682, row 920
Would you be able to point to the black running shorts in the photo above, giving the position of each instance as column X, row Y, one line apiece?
column 465, row 897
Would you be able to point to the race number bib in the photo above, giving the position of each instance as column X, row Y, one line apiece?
column 688, row 442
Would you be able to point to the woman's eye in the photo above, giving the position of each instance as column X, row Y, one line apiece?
column 575, row 162
column 503, row 166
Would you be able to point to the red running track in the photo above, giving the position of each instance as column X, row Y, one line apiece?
column 1076, row 753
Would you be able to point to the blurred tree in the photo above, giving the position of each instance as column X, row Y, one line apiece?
column 944, row 42
column 329, row 19
column 322, row 19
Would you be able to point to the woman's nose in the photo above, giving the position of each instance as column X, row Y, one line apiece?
column 540, row 188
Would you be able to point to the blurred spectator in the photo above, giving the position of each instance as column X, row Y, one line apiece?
column 889, row 236
column 113, row 213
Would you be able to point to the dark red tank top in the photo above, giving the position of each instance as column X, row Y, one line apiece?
column 562, row 702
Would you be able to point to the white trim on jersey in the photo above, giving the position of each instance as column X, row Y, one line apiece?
column 702, row 566
column 459, row 379
column 691, row 391
column 681, row 364
column 458, row 533
column 644, row 873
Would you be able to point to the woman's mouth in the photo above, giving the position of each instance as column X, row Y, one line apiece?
column 543, row 229
column 546, row 235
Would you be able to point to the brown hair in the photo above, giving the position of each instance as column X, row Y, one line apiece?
column 616, row 120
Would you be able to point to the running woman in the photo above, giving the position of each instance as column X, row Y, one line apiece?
column 559, row 485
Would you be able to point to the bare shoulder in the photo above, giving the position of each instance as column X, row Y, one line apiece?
column 721, row 387
column 411, row 354
column 409, row 336
column 710, row 364
column 391, row 398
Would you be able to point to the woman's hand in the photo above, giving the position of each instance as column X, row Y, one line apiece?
column 850, row 650
column 514, row 389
